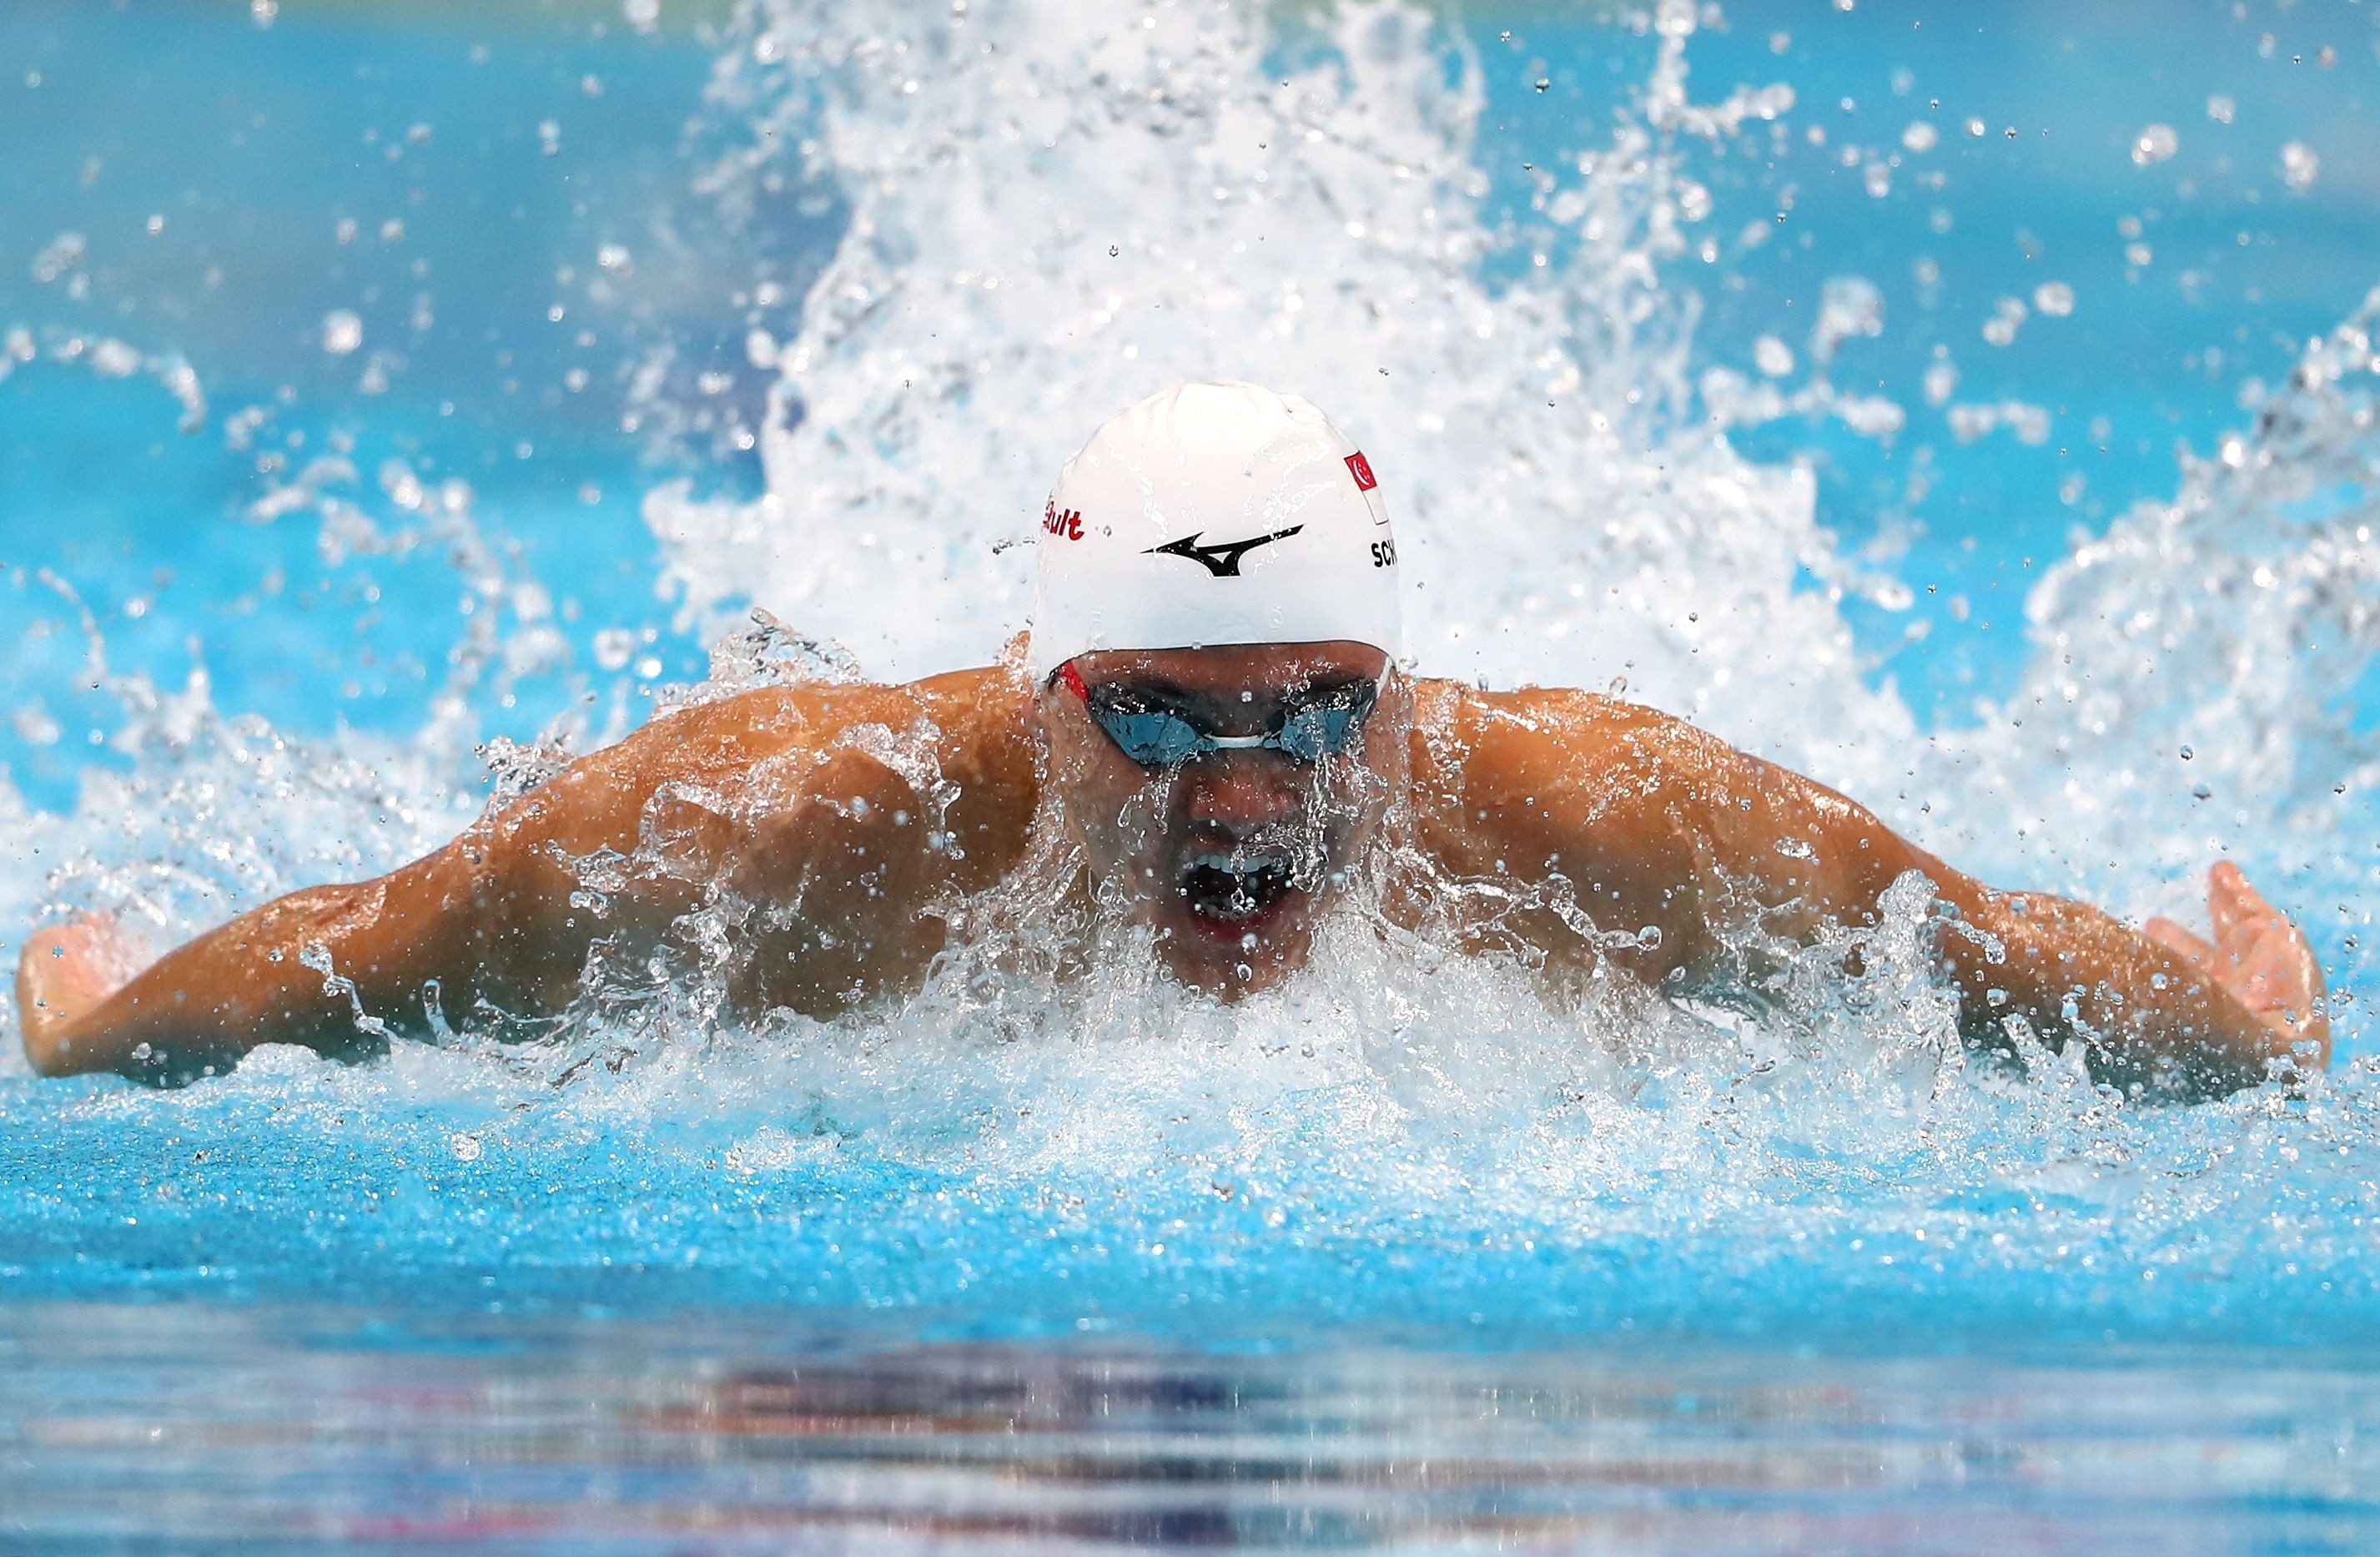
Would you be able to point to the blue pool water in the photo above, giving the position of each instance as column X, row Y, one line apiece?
column 1974, row 409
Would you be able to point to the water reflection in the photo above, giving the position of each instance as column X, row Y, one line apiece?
column 209, row 1427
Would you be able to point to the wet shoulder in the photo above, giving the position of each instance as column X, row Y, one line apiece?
column 969, row 717
column 1484, row 761
column 1463, row 733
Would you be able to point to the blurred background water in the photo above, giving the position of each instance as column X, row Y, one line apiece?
column 1976, row 288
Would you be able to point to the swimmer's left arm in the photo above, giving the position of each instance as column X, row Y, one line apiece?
column 1657, row 824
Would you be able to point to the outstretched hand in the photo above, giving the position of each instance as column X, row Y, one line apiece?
column 65, row 971
column 2260, row 960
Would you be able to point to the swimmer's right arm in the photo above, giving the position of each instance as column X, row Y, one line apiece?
column 778, row 796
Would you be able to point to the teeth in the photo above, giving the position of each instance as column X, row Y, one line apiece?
column 1244, row 869
column 1247, row 863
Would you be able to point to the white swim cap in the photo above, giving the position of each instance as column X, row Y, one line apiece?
column 1214, row 514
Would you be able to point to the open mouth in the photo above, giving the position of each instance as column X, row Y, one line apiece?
column 1238, row 888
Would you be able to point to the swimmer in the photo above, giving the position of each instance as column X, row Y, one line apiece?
column 1210, row 720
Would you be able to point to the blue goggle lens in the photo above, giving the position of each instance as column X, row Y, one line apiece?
column 1162, row 737
column 1152, row 737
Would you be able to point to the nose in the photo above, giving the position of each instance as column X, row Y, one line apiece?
column 1241, row 791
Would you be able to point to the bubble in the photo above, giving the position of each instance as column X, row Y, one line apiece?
column 2006, row 315
column 1848, row 306
column 2300, row 167
column 113, row 358
column 615, row 646
column 34, row 725
column 62, row 254
column 342, row 332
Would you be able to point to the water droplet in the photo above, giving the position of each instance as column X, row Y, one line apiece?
column 2155, row 144
column 2300, row 167
column 2007, row 314
column 342, row 332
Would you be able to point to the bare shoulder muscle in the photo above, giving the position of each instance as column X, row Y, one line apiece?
column 1584, row 802
column 835, row 813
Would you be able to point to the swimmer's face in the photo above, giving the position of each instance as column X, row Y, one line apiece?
column 1229, row 856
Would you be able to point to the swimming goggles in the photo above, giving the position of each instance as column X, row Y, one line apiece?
column 1321, row 724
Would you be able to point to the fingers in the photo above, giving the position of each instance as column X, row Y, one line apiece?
column 2181, row 943
column 2235, row 906
column 2291, row 993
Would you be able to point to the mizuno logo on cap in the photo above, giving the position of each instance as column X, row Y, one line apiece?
column 1223, row 560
